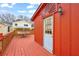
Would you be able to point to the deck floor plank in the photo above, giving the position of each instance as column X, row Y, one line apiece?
column 25, row 47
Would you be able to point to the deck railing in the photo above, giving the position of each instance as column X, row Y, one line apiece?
column 5, row 40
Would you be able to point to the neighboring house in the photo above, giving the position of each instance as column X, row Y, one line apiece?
column 22, row 24
column 57, row 28
column 4, row 28
column 23, row 27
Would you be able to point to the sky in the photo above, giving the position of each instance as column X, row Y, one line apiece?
column 26, row 9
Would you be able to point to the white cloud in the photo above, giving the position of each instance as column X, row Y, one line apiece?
column 22, row 11
column 7, row 5
column 13, row 4
column 29, row 15
column 34, row 3
column 31, row 11
column 3, row 11
column 39, row 1
column 19, row 1
column 30, row 6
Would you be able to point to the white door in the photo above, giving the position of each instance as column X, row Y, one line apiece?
column 48, row 34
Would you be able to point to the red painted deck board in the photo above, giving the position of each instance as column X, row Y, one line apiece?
column 25, row 47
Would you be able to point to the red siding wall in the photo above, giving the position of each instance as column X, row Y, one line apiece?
column 66, row 30
column 38, row 31
column 57, row 34
column 75, row 29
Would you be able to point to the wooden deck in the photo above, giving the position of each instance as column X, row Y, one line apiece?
column 26, row 46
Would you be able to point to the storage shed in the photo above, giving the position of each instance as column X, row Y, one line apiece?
column 57, row 28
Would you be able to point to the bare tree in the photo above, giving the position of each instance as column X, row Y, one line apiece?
column 26, row 18
column 22, row 17
column 7, row 18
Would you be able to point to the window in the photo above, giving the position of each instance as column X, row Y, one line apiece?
column 8, row 28
column 16, row 24
column 32, row 25
column 25, row 24
column 48, row 25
